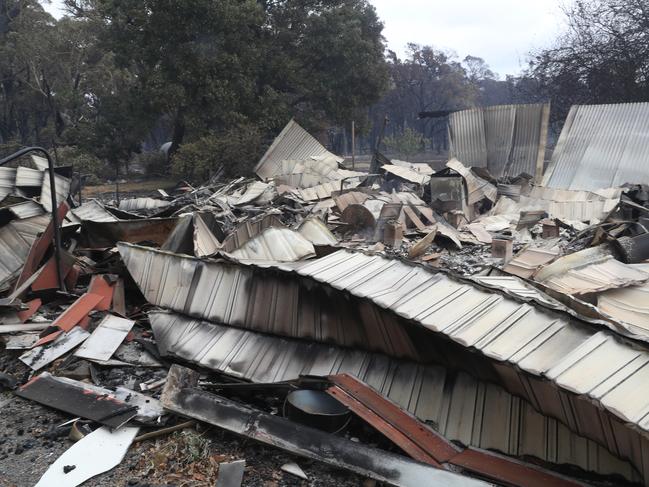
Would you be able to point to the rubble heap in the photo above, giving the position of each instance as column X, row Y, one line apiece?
column 415, row 327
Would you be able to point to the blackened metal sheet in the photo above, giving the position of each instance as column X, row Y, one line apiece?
column 458, row 406
column 521, row 341
column 65, row 395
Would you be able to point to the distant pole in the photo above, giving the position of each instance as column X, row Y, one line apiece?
column 353, row 145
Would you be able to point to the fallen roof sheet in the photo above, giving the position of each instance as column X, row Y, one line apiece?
column 459, row 406
column 629, row 305
column 134, row 204
column 292, row 143
column 316, row 232
column 256, row 192
column 106, row 338
column 565, row 204
column 601, row 146
column 93, row 211
column 528, row 261
column 249, row 229
column 420, row 167
column 275, row 244
column 26, row 176
column 16, row 239
column 39, row 357
column 62, row 185
column 589, row 271
column 424, row 444
column 181, row 396
column 506, row 139
column 323, row 191
column 508, row 332
column 406, row 173
column 26, row 209
column 7, row 181
column 75, row 398
column 477, row 187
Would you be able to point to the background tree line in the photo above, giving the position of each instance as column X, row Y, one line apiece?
column 113, row 80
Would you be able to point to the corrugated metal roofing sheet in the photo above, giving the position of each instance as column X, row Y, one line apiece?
column 529, row 260
column 293, row 143
column 407, row 174
column 275, row 244
column 316, row 232
column 62, row 185
column 506, row 139
column 589, row 271
column 7, row 181
column 93, row 211
column 16, row 238
column 503, row 330
column 601, row 146
column 629, row 305
column 26, row 209
column 459, row 406
column 132, row 204
column 572, row 205
column 26, row 176
column 248, row 230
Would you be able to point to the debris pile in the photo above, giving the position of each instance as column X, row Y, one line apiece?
column 463, row 326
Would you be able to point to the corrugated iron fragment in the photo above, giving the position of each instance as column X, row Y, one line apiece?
column 293, row 143
column 601, row 146
column 457, row 405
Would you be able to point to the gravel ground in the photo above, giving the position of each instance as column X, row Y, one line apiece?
column 31, row 439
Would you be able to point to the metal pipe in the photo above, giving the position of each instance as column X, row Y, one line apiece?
column 55, row 222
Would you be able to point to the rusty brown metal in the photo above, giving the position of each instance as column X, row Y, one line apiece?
column 426, row 445
column 40, row 246
column 508, row 471
column 107, row 234
column 387, row 417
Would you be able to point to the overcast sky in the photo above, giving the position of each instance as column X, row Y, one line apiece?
column 502, row 32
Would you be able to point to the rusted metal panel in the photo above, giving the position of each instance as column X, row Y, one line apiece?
column 427, row 446
column 40, row 246
column 107, row 234
column 415, row 438
column 101, row 286
column 510, row 472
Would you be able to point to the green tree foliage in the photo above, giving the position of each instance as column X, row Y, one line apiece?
column 406, row 143
column 211, row 65
column 229, row 154
column 111, row 72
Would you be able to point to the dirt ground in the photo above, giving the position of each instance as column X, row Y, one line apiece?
column 31, row 439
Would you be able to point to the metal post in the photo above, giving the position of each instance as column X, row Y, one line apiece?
column 353, row 145
column 55, row 222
